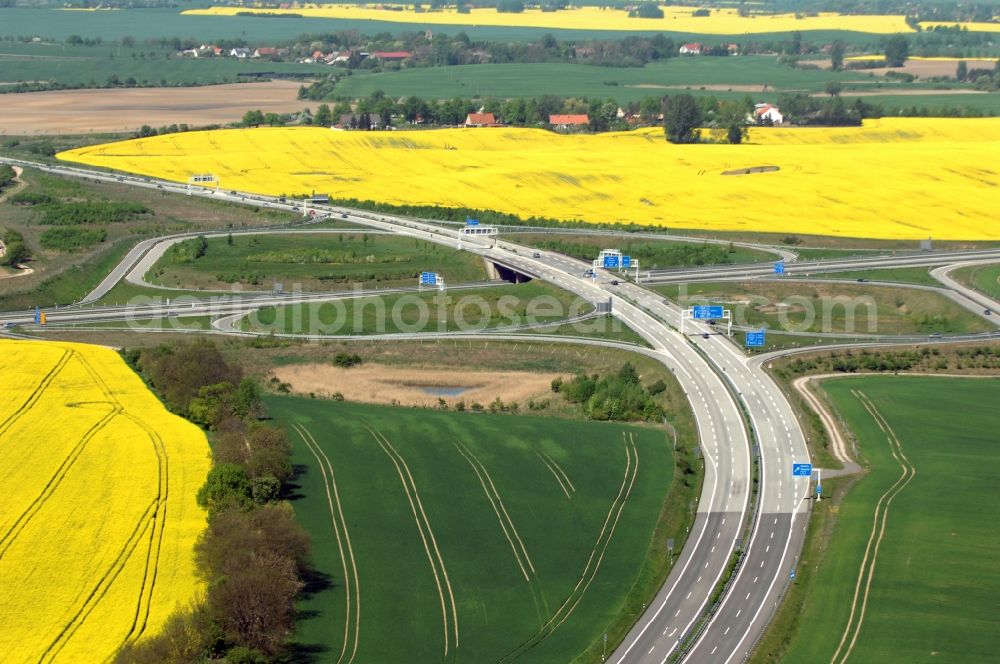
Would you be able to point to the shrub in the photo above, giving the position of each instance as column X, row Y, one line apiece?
column 69, row 238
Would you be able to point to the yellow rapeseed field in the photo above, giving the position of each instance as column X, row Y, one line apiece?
column 98, row 518
column 675, row 19
column 895, row 178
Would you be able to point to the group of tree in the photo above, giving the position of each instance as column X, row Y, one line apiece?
column 16, row 251
column 620, row 396
column 7, row 176
column 253, row 556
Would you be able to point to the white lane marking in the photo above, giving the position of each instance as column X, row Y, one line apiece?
column 755, row 579
column 651, row 650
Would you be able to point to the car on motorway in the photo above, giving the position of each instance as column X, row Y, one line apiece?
column 588, row 273
column 536, row 255
column 343, row 215
column 862, row 280
column 704, row 335
column 934, row 335
column 988, row 312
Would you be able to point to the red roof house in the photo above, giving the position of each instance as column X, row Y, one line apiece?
column 564, row 121
column 480, row 120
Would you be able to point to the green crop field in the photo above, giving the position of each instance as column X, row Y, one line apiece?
column 722, row 77
column 814, row 306
column 147, row 64
column 429, row 311
column 983, row 277
column 934, row 588
column 469, row 537
column 313, row 261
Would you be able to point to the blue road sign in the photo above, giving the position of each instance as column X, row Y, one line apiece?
column 38, row 314
column 779, row 267
column 469, row 221
column 802, row 470
column 705, row 311
column 611, row 261
column 791, row 575
column 626, row 261
column 755, row 339
column 428, row 278
column 819, row 489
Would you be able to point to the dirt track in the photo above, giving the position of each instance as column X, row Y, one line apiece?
column 85, row 111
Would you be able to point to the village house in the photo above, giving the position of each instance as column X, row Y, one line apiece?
column 766, row 114
column 265, row 52
column 694, row 48
column 240, row 53
column 564, row 122
column 480, row 120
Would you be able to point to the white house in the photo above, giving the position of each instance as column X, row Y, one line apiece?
column 767, row 114
column 693, row 48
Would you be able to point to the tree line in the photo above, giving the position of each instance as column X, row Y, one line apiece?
column 253, row 556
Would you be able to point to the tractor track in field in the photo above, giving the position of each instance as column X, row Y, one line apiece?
column 867, row 571
column 574, row 598
column 36, row 394
column 557, row 472
column 152, row 520
column 509, row 529
column 420, row 517
column 23, row 519
column 332, row 499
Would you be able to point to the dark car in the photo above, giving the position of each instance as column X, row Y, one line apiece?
column 536, row 255
column 862, row 280
column 614, row 282
column 343, row 215
column 987, row 312
column 704, row 335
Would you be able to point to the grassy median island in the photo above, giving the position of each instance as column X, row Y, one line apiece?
column 429, row 311
column 985, row 278
column 311, row 261
column 933, row 591
column 835, row 308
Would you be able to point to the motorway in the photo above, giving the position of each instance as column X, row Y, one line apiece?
column 724, row 389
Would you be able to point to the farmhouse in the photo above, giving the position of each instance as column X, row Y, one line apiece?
column 560, row 121
column 241, row 53
column 767, row 114
column 694, row 48
column 480, row 120
column 265, row 52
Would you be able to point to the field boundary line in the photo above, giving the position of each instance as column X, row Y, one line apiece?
column 881, row 514
column 600, row 548
column 317, row 452
column 414, row 500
